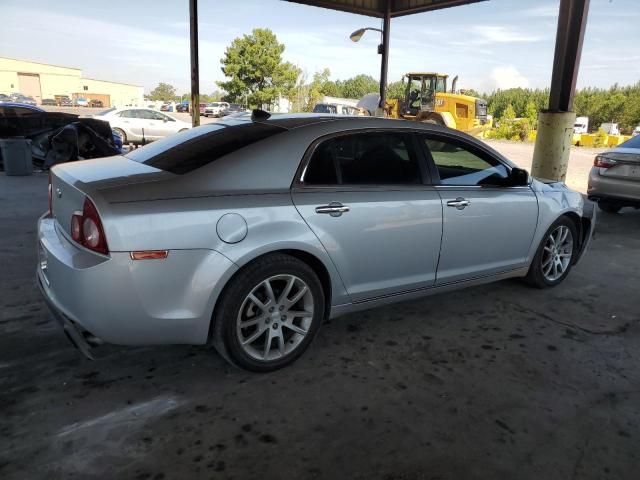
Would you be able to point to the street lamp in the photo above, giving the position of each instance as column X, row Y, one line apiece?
column 357, row 35
column 383, row 51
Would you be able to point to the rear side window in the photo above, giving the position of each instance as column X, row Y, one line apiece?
column 375, row 158
column 184, row 152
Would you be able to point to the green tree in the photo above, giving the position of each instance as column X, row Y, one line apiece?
column 508, row 114
column 358, row 86
column 395, row 90
column 531, row 113
column 164, row 92
column 253, row 63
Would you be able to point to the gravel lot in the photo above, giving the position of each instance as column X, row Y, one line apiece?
column 499, row 381
column 580, row 160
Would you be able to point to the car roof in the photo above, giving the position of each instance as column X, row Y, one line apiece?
column 20, row 105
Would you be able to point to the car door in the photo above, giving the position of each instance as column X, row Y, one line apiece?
column 363, row 195
column 130, row 123
column 488, row 224
column 166, row 125
column 152, row 123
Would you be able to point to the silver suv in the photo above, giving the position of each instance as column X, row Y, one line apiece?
column 614, row 180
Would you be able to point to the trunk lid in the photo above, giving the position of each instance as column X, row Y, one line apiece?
column 72, row 182
column 627, row 164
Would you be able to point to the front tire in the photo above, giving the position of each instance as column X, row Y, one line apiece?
column 555, row 255
column 269, row 313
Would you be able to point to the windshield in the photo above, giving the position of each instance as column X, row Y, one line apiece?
column 106, row 112
column 183, row 152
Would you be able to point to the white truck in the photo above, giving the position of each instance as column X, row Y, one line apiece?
column 581, row 125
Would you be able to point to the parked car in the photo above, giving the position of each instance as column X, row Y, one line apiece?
column 233, row 108
column 96, row 103
column 636, row 131
column 134, row 124
column 4, row 98
column 182, row 107
column 15, row 95
column 614, row 180
column 202, row 108
column 166, row 107
column 80, row 102
column 252, row 232
column 215, row 109
column 64, row 101
column 25, row 101
column 56, row 136
column 49, row 102
column 336, row 108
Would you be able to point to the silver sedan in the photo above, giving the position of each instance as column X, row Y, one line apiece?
column 248, row 233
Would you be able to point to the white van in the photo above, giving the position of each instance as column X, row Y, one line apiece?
column 581, row 125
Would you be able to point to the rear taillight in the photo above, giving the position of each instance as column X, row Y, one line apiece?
column 86, row 228
column 50, row 196
column 604, row 162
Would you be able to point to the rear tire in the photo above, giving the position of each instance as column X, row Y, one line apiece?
column 122, row 135
column 555, row 255
column 608, row 206
column 269, row 313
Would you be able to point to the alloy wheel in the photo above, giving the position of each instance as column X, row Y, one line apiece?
column 275, row 317
column 557, row 252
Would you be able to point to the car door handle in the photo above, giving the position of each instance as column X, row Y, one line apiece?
column 459, row 203
column 335, row 209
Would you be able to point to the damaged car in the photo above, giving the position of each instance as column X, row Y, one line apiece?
column 57, row 137
column 250, row 232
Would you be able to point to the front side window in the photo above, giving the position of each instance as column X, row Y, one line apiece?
column 459, row 164
column 127, row 114
column 374, row 158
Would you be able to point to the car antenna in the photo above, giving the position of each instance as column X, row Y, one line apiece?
column 258, row 114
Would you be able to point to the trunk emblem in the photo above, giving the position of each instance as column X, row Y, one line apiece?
column 59, row 192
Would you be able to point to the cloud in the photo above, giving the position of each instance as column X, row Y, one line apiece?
column 503, row 78
column 486, row 34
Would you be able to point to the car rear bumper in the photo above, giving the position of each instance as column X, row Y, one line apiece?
column 118, row 300
column 620, row 190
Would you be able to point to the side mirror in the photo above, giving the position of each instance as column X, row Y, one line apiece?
column 518, row 177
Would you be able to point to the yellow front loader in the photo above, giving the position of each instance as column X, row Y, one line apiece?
column 426, row 100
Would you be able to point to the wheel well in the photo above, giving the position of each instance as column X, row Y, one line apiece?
column 312, row 261
column 319, row 269
column 577, row 222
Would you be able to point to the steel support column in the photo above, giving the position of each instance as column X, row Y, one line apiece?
column 555, row 125
column 195, row 64
column 384, row 62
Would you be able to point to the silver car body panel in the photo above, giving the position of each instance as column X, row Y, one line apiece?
column 172, row 300
column 403, row 231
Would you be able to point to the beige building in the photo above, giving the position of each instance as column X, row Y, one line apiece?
column 41, row 81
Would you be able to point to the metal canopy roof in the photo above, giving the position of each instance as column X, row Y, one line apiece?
column 377, row 8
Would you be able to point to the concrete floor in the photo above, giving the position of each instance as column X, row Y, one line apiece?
column 499, row 381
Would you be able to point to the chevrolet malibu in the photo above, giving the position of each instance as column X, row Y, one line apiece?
column 248, row 233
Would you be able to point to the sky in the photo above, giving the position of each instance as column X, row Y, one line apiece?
column 489, row 45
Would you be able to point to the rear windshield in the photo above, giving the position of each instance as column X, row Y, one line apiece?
column 633, row 142
column 184, row 152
